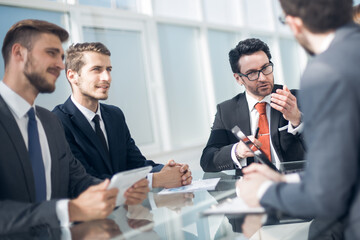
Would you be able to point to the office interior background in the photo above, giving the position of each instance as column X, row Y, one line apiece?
column 170, row 60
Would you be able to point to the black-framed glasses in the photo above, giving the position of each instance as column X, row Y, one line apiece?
column 254, row 75
column 282, row 19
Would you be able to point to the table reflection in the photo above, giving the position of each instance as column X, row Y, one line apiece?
column 178, row 216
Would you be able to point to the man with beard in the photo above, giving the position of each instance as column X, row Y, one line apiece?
column 88, row 70
column 271, row 110
column 37, row 168
column 329, row 190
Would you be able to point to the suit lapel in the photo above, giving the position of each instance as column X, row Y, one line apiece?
column 243, row 114
column 15, row 136
column 79, row 120
column 111, row 136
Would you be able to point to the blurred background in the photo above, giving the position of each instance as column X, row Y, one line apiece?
column 170, row 60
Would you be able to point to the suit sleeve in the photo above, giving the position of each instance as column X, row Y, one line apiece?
column 217, row 154
column 331, row 118
column 24, row 217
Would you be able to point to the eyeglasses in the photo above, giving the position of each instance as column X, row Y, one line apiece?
column 282, row 19
column 254, row 75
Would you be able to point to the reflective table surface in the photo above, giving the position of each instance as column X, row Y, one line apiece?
column 178, row 216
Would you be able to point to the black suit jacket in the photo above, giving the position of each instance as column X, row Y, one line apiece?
column 217, row 154
column 17, row 189
column 86, row 146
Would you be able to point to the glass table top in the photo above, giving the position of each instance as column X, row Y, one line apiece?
column 179, row 216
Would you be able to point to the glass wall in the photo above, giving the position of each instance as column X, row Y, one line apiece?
column 170, row 57
column 182, row 72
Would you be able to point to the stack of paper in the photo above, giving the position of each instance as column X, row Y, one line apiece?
column 233, row 206
column 207, row 184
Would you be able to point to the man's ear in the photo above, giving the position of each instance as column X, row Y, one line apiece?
column 19, row 52
column 72, row 76
column 238, row 79
column 295, row 23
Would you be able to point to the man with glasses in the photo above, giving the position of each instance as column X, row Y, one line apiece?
column 267, row 112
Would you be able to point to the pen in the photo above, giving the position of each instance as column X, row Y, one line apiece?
column 257, row 132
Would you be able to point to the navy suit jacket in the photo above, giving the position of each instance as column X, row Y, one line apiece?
column 217, row 153
column 18, row 209
column 86, row 146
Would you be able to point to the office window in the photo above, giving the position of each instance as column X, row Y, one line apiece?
column 223, row 12
column 182, row 72
column 128, row 87
column 183, row 9
column 290, row 62
column 15, row 14
column 259, row 14
column 129, row 5
column 225, row 85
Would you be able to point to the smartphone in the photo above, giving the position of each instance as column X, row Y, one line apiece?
column 258, row 154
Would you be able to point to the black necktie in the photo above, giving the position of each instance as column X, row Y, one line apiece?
column 36, row 157
column 99, row 132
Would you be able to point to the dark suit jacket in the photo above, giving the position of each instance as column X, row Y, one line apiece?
column 330, row 101
column 86, row 146
column 17, row 190
column 217, row 154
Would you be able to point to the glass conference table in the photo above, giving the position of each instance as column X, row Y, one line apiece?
column 178, row 216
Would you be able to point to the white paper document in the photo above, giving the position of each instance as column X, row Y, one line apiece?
column 207, row 184
column 232, row 206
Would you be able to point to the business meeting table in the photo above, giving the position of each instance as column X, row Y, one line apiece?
column 179, row 216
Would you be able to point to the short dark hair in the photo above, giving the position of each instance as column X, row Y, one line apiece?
column 320, row 16
column 246, row 47
column 74, row 55
column 25, row 31
column 356, row 14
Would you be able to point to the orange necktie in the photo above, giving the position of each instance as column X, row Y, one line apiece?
column 264, row 133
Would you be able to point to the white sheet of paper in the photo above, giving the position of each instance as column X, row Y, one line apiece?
column 206, row 184
column 232, row 206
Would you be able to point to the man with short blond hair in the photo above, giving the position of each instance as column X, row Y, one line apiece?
column 97, row 133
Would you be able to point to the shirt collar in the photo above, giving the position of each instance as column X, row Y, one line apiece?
column 89, row 115
column 327, row 41
column 18, row 105
column 252, row 101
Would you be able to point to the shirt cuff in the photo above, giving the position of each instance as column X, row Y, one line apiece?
column 298, row 129
column 263, row 188
column 292, row 178
column 62, row 212
column 150, row 179
column 242, row 162
column 152, row 201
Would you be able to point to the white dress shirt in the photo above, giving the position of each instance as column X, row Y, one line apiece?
column 254, row 120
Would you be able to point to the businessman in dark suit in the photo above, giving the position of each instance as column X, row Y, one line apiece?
column 330, row 100
column 38, row 172
column 251, row 63
column 88, row 69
